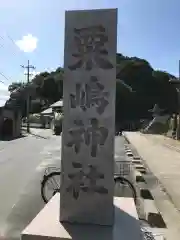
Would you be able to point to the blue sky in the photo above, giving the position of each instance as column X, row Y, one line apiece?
column 146, row 28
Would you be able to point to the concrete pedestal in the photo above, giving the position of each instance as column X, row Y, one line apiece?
column 46, row 224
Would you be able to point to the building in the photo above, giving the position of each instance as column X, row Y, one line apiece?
column 10, row 123
column 57, row 106
column 48, row 115
column 10, row 119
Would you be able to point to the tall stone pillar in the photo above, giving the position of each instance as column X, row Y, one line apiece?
column 87, row 183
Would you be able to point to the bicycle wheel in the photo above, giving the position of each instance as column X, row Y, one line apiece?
column 124, row 188
column 50, row 186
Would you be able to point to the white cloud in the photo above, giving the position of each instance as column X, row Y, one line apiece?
column 4, row 94
column 28, row 43
column 3, row 87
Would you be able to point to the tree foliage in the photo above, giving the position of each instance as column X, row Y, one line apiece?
column 149, row 87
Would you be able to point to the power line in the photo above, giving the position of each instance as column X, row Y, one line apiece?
column 3, row 75
column 12, row 41
column 3, row 46
column 14, row 53
column 1, row 43
column 10, row 38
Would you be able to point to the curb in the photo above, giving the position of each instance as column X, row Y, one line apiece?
column 152, row 214
column 37, row 135
column 34, row 134
column 139, row 177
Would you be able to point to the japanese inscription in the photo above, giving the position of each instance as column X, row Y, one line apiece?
column 76, row 134
column 92, row 94
column 94, row 136
column 89, row 116
column 91, row 50
column 85, row 181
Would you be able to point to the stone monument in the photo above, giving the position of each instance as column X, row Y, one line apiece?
column 159, row 123
column 87, row 183
column 87, row 167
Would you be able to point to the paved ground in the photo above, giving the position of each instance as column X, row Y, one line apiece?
column 162, row 160
column 22, row 164
column 162, row 156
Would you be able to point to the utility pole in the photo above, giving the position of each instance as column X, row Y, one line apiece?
column 28, row 67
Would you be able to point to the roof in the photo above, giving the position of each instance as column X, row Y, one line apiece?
column 47, row 111
column 57, row 104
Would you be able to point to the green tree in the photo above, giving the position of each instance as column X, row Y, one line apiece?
column 14, row 86
column 150, row 87
column 167, row 94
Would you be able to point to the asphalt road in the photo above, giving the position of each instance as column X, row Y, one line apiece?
column 22, row 164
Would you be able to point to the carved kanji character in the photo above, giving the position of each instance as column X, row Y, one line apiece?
column 91, row 49
column 95, row 136
column 77, row 136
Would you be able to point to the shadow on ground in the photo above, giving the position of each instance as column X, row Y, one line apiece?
column 9, row 138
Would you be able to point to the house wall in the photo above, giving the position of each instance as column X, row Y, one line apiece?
column 8, row 113
column 16, row 118
column 1, row 123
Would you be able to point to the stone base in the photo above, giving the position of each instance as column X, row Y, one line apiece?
column 46, row 224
